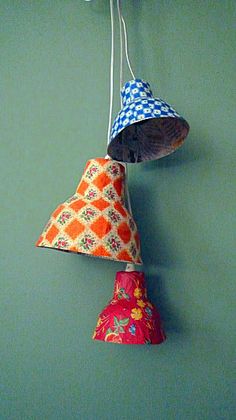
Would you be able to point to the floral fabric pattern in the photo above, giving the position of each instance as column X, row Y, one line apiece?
column 87, row 242
column 128, row 318
column 64, row 217
column 88, row 214
column 136, row 314
column 113, row 243
column 114, row 216
column 71, row 199
column 110, row 194
column 61, row 243
column 91, row 194
column 141, row 303
column 94, row 220
column 93, row 169
column 137, row 292
column 113, row 170
column 132, row 224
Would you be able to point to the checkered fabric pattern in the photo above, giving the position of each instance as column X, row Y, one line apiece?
column 139, row 104
column 135, row 89
column 95, row 221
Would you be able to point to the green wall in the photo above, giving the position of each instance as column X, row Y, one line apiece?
column 55, row 85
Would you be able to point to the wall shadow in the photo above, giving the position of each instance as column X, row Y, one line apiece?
column 158, row 295
column 155, row 251
column 191, row 153
column 156, row 254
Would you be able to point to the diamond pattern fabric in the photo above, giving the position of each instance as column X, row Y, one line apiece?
column 94, row 220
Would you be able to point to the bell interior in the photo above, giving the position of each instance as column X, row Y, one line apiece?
column 150, row 139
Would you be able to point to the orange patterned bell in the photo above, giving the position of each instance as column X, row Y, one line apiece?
column 95, row 221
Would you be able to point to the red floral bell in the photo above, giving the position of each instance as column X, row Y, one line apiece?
column 129, row 318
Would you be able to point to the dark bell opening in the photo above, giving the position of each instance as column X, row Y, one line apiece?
column 149, row 139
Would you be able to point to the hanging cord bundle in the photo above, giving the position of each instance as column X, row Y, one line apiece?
column 111, row 71
column 123, row 45
column 123, row 38
column 123, row 41
column 129, row 318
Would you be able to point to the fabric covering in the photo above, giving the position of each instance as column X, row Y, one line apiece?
column 146, row 128
column 95, row 221
column 129, row 318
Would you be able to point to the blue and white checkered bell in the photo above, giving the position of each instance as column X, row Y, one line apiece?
column 146, row 128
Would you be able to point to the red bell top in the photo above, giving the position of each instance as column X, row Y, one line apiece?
column 129, row 318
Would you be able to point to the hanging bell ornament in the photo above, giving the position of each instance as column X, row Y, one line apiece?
column 146, row 128
column 95, row 220
column 129, row 318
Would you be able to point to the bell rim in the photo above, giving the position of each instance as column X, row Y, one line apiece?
column 114, row 141
column 90, row 255
column 130, row 344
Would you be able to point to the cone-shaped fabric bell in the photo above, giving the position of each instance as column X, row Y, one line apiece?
column 146, row 128
column 129, row 318
column 95, row 221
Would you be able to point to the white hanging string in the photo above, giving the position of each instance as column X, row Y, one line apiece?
column 127, row 190
column 126, row 46
column 123, row 29
column 129, row 266
column 124, row 32
column 121, row 23
column 111, row 71
column 126, row 54
column 122, row 26
column 121, row 47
